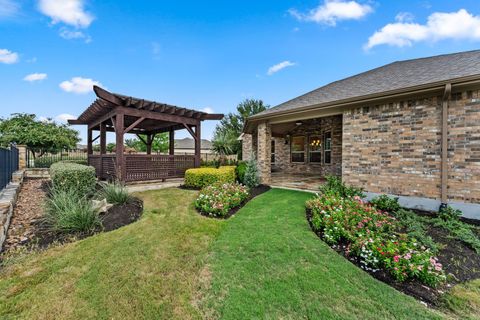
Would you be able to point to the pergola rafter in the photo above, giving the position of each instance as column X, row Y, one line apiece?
column 121, row 114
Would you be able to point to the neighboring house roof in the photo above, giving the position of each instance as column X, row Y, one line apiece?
column 187, row 143
column 389, row 78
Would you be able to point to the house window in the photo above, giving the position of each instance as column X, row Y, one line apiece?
column 272, row 158
column 315, row 150
column 327, row 148
column 298, row 149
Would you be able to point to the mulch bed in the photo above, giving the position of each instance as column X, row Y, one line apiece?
column 460, row 262
column 27, row 229
column 253, row 193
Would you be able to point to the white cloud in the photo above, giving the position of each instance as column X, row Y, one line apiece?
column 74, row 34
column 70, row 12
column 207, row 110
column 8, row 8
column 32, row 60
column 8, row 57
column 279, row 66
column 404, row 17
column 332, row 11
column 440, row 26
column 79, row 85
column 64, row 117
column 35, row 77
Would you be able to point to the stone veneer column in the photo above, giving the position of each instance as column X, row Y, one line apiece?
column 22, row 156
column 247, row 146
column 264, row 152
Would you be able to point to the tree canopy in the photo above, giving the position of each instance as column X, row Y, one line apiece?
column 159, row 144
column 231, row 126
column 23, row 128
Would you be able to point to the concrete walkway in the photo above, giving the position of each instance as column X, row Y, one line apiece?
column 155, row 185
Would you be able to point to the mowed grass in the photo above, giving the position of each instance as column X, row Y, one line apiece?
column 147, row 270
column 268, row 264
column 263, row 263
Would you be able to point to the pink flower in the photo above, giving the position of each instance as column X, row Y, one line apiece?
column 396, row 258
column 408, row 256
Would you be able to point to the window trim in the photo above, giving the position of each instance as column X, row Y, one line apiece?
column 325, row 150
column 319, row 137
column 292, row 152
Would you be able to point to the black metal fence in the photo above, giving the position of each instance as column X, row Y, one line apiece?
column 8, row 164
column 44, row 159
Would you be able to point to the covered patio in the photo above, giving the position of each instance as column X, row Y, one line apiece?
column 120, row 114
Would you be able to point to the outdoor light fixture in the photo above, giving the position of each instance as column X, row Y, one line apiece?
column 298, row 123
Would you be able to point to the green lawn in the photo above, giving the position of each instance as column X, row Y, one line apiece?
column 175, row 264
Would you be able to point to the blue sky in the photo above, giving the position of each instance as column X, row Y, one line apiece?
column 210, row 54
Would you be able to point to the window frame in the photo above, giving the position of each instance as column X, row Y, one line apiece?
column 297, row 152
column 320, row 151
column 329, row 150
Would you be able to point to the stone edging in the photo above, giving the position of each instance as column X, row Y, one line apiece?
column 8, row 198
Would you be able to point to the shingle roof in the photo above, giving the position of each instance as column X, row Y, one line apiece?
column 393, row 76
column 188, row 143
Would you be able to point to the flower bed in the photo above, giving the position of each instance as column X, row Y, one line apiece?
column 218, row 199
column 372, row 236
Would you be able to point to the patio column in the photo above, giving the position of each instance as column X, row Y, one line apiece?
column 247, row 146
column 119, row 156
column 264, row 134
column 171, row 142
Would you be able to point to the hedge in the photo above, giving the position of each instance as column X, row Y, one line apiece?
column 240, row 171
column 201, row 177
column 78, row 177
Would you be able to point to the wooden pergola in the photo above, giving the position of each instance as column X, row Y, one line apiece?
column 112, row 112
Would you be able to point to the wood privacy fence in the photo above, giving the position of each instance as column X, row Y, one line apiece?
column 8, row 164
column 143, row 167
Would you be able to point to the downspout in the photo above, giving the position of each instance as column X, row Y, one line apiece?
column 444, row 163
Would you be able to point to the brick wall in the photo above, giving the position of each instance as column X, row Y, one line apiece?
column 464, row 147
column 395, row 147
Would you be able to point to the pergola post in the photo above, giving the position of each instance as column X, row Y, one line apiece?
column 103, row 138
column 171, row 142
column 89, row 143
column 149, row 143
column 197, row 144
column 119, row 152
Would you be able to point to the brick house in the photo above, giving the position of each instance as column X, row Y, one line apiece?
column 410, row 128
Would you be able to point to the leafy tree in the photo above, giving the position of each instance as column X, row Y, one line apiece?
column 43, row 136
column 160, row 143
column 231, row 126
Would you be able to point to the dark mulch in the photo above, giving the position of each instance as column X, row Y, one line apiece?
column 115, row 217
column 460, row 262
column 121, row 215
column 253, row 193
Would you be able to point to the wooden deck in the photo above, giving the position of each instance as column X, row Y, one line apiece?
column 143, row 167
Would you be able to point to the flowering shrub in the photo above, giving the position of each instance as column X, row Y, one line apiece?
column 371, row 235
column 219, row 198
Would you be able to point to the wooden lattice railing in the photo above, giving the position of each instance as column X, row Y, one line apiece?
column 143, row 167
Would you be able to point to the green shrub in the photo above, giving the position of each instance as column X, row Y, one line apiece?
column 251, row 178
column 448, row 213
column 334, row 186
column 67, row 211
column 460, row 231
column 73, row 176
column 115, row 193
column 47, row 160
column 386, row 203
column 201, row 177
column 416, row 227
column 240, row 171
column 219, row 198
